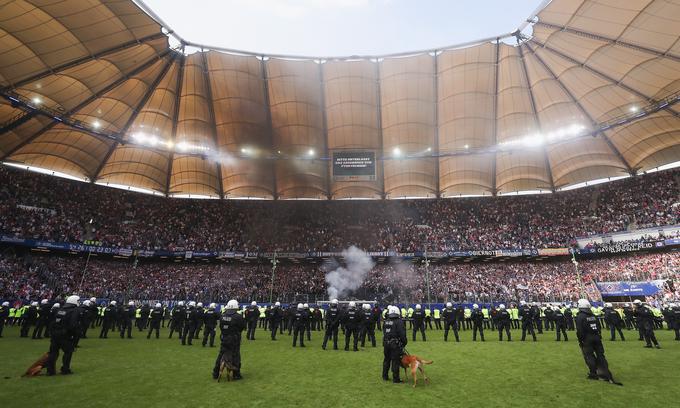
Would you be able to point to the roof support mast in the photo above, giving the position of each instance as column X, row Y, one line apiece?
column 213, row 123
column 173, row 136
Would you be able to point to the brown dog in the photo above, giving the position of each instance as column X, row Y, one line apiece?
column 37, row 367
column 226, row 367
column 415, row 364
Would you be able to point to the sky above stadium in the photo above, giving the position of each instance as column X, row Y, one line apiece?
column 340, row 27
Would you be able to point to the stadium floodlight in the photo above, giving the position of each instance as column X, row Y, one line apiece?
column 634, row 109
column 310, row 153
column 396, row 152
column 96, row 124
column 466, row 146
column 140, row 137
column 533, row 140
column 429, row 149
column 245, row 150
column 37, row 100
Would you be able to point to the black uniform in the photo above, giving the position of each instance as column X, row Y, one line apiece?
column 419, row 323
column 30, row 317
column 210, row 318
column 231, row 326
column 144, row 312
column 477, row 324
column 614, row 321
column 645, row 321
column 275, row 317
column 190, row 323
column 351, row 321
column 367, row 328
column 65, row 330
column 590, row 341
column 569, row 318
column 526, row 315
column 394, row 341
column 200, row 312
column 155, row 322
column 177, row 323
column 4, row 314
column 126, row 317
column 332, row 326
column 108, row 322
column 252, row 316
column 549, row 318
column 629, row 317
column 503, row 322
column 675, row 316
column 43, row 319
column 536, row 317
column 450, row 322
column 300, row 318
column 560, row 326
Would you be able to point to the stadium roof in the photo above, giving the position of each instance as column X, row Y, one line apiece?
column 94, row 89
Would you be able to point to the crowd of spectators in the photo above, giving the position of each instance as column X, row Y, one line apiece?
column 42, row 276
column 48, row 208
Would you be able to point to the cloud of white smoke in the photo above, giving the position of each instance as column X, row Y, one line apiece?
column 343, row 280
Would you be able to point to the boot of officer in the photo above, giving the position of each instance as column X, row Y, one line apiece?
column 394, row 341
column 588, row 332
column 231, row 326
column 64, row 333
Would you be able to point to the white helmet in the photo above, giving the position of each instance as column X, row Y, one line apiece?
column 522, row 302
column 536, row 303
column 199, row 304
column 418, row 307
column 352, row 304
column 253, row 303
column 300, row 306
column 232, row 304
column 502, row 307
column 180, row 303
column 366, row 306
column 113, row 303
column 334, row 302
column 212, row 306
column 306, row 305
column 607, row 305
column 86, row 302
column 277, row 304
column 475, row 306
column 34, row 303
column 393, row 310
column 583, row 304
column 56, row 305
column 5, row 304
column 158, row 305
column 449, row 304
column 93, row 299
column 44, row 301
column 131, row 303
column 192, row 304
column 637, row 302
column 73, row 299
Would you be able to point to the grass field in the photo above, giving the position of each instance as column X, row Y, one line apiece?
column 150, row 373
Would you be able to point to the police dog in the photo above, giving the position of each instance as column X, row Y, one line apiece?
column 37, row 367
column 415, row 364
column 226, row 367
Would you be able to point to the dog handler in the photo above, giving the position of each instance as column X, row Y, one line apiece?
column 231, row 326
column 394, row 341
column 590, row 341
column 64, row 332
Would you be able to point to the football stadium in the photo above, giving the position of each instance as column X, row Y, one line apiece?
column 187, row 222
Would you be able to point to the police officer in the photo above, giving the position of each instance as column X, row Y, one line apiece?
column 210, row 318
column 145, row 312
column 477, row 322
column 675, row 317
column 437, row 315
column 190, row 321
column 4, row 315
column 560, row 324
column 568, row 317
column 629, row 316
column 177, row 319
column 155, row 322
column 526, row 316
column 30, row 317
column 64, row 333
column 590, row 340
column 275, row 317
column 614, row 321
column 231, row 326
column 308, row 323
column 108, row 320
column 200, row 312
column 503, row 322
column 299, row 325
column 332, row 325
column 645, row 319
column 43, row 318
column 549, row 321
column 394, row 341
column 449, row 316
column 419, row 322
column 367, row 326
column 252, row 317
column 86, row 318
column 536, row 317
column 351, row 321
column 128, row 314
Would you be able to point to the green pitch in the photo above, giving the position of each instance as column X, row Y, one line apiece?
column 162, row 373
